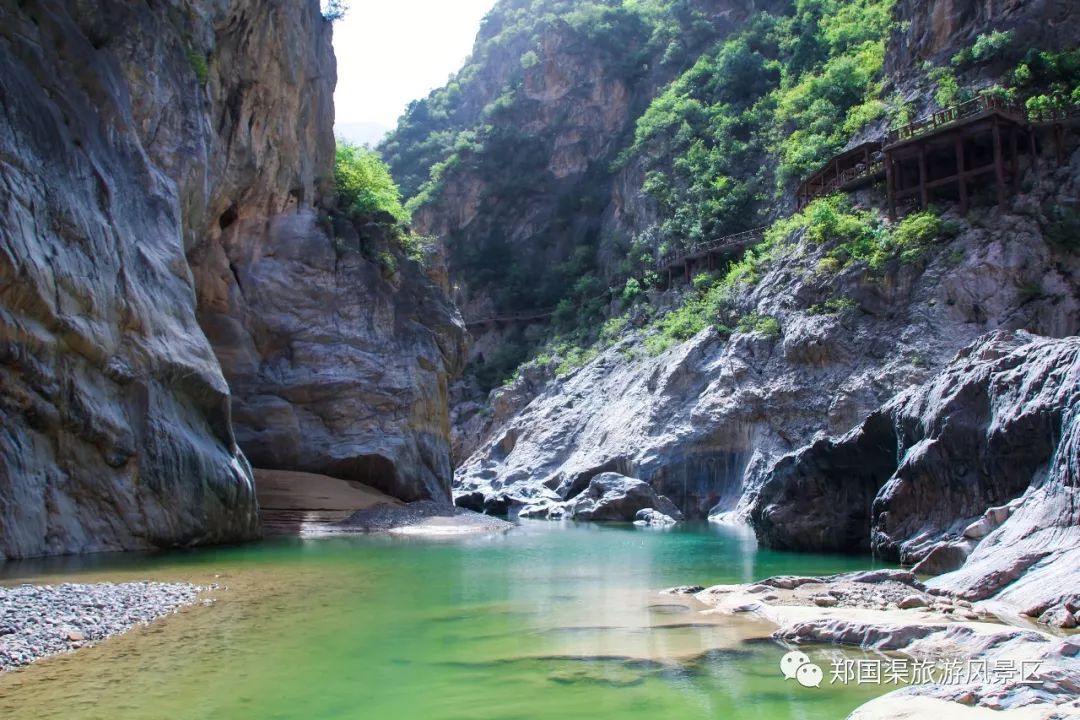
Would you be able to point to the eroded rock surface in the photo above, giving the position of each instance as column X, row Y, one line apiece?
column 986, row 454
column 338, row 367
column 162, row 168
column 704, row 421
column 611, row 496
column 117, row 421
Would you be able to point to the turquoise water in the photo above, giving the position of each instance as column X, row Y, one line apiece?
column 546, row 621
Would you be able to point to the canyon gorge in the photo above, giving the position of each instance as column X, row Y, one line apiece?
column 621, row 285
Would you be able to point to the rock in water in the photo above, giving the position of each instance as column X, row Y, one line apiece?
column 649, row 516
column 1058, row 617
column 611, row 496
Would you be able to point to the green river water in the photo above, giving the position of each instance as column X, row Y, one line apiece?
column 545, row 621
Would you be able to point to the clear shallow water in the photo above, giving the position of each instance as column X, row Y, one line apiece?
column 547, row 621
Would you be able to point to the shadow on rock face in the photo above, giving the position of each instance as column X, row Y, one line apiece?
column 821, row 497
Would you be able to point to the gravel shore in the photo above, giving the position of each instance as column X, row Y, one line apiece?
column 41, row 620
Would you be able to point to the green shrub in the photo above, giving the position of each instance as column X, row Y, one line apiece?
column 530, row 59
column 703, row 281
column 987, row 46
column 565, row 313
column 363, row 183
column 764, row 325
column 1050, row 80
column 613, row 329
column 573, row 357
column 685, row 322
column 657, row 344
column 630, row 292
column 947, row 90
column 833, row 306
column 863, row 236
column 388, row 262
column 917, row 232
column 200, row 65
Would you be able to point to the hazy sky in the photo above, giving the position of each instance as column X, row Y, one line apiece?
column 390, row 52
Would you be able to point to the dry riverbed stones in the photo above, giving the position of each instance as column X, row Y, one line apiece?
column 41, row 620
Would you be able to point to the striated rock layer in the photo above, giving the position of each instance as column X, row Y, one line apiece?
column 159, row 168
column 338, row 367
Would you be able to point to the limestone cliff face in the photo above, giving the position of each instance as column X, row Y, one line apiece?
column 568, row 113
column 704, row 421
column 546, row 113
column 981, row 461
column 938, row 28
column 337, row 366
column 138, row 142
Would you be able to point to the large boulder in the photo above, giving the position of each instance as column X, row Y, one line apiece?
column 653, row 518
column 611, row 496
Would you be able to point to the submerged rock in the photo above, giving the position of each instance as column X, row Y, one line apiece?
column 543, row 511
column 683, row 590
column 611, row 496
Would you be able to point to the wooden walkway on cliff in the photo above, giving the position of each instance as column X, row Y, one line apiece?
column 704, row 253
column 512, row 318
column 698, row 255
column 947, row 155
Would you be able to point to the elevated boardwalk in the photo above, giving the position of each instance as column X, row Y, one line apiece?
column 510, row 318
column 697, row 255
column 947, row 155
column 704, row 253
column 849, row 170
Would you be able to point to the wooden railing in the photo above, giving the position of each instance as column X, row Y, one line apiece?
column 1053, row 115
column 952, row 114
column 848, row 176
column 671, row 259
column 520, row 316
column 705, row 247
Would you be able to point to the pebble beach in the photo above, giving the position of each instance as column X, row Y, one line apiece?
column 41, row 620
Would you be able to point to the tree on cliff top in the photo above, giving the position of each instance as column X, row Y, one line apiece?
column 364, row 184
